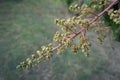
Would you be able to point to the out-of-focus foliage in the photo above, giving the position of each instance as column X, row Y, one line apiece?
column 68, row 2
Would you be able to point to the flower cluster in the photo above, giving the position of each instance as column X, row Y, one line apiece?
column 98, row 4
column 84, row 45
column 83, row 9
column 75, row 8
column 35, row 59
column 68, row 26
column 114, row 15
column 75, row 28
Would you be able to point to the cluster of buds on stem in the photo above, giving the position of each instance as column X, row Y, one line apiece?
column 75, row 8
column 114, row 15
column 84, row 45
column 98, row 4
column 45, row 54
column 70, row 29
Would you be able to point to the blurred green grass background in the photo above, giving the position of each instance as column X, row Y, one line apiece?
column 25, row 25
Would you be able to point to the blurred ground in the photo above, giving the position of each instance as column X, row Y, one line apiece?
column 28, row 24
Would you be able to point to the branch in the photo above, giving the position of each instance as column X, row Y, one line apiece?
column 91, row 21
column 81, row 31
column 105, row 10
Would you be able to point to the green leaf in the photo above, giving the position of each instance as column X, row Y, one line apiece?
column 87, row 2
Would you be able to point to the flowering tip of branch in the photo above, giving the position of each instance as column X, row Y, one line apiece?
column 72, row 28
